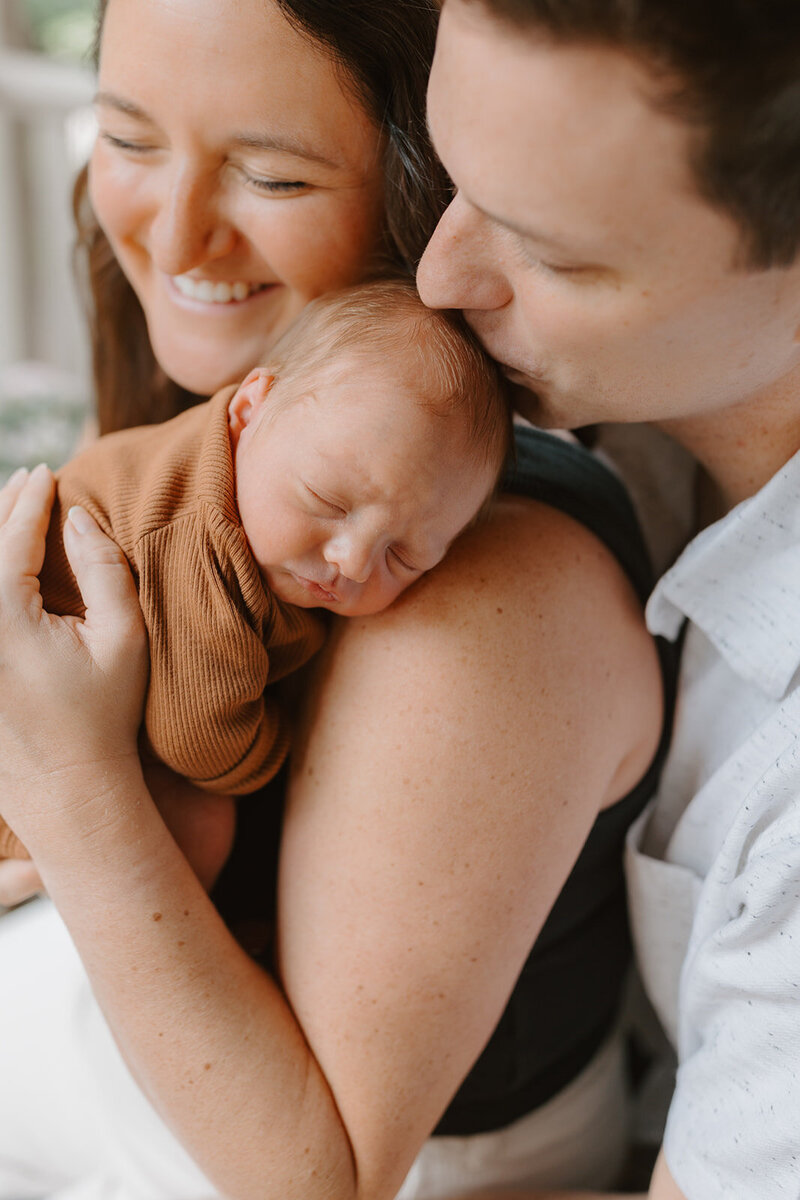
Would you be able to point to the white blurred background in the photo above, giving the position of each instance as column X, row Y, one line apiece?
column 46, row 131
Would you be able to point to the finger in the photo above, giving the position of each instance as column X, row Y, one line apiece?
column 101, row 571
column 22, row 535
column 9, row 493
column 34, row 496
column 19, row 880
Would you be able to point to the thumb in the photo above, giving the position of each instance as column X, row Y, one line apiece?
column 102, row 574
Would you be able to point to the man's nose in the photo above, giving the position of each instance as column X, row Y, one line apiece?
column 459, row 268
column 189, row 229
column 353, row 556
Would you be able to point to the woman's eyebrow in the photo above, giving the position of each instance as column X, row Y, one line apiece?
column 111, row 100
column 285, row 143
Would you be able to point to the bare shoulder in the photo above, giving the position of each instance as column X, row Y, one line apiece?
column 455, row 752
column 531, row 618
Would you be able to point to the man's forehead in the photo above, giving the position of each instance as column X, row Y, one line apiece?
column 535, row 132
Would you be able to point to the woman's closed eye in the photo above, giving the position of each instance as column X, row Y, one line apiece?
column 119, row 143
column 272, row 185
column 275, row 187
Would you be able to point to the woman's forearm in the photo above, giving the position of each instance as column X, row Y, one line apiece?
column 208, row 1035
column 439, row 801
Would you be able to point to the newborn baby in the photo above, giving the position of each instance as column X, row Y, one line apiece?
column 332, row 477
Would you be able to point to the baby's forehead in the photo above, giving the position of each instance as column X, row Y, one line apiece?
column 379, row 407
column 414, row 478
column 366, row 389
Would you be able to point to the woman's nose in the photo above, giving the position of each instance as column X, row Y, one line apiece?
column 353, row 556
column 459, row 268
column 189, row 228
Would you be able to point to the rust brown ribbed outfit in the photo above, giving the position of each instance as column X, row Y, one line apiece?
column 166, row 495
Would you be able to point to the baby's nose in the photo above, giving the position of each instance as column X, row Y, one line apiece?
column 353, row 557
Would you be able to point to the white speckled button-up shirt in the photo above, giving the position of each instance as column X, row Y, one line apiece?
column 714, row 863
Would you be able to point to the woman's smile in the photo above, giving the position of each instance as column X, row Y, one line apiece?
column 210, row 291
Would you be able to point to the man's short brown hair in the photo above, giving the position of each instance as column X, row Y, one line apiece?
column 731, row 70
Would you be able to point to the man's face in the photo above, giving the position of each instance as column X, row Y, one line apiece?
column 578, row 245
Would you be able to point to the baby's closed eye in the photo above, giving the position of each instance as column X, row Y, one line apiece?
column 327, row 507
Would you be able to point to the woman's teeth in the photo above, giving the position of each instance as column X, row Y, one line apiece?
column 214, row 293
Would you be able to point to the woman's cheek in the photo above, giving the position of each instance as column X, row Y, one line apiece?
column 326, row 241
column 105, row 187
column 117, row 195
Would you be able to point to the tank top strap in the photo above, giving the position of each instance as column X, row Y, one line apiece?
column 567, row 476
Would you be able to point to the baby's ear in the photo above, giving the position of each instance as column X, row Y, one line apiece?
column 247, row 400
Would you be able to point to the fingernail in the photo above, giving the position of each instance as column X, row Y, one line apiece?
column 80, row 519
column 18, row 475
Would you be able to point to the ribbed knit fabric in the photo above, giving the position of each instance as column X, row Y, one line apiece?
column 166, row 495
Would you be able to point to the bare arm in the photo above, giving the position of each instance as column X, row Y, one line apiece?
column 202, row 824
column 459, row 749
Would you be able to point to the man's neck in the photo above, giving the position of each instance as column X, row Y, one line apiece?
column 740, row 448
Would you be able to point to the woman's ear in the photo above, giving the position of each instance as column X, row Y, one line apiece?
column 247, row 400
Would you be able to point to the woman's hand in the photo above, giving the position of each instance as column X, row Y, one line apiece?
column 71, row 691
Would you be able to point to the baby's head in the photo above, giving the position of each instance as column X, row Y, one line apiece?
column 373, row 435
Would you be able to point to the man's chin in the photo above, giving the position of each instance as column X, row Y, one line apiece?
column 526, row 401
column 540, row 408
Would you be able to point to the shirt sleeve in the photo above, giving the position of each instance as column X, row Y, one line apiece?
column 207, row 715
column 733, row 1131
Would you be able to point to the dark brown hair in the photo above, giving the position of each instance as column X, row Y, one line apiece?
column 385, row 320
column 731, row 70
column 384, row 50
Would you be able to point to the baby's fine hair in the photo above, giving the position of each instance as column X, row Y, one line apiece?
column 387, row 320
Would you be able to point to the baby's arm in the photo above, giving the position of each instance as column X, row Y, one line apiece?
column 216, row 639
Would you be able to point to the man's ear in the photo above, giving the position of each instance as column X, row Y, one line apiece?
column 247, row 400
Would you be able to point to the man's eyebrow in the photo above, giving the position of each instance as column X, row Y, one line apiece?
column 282, row 143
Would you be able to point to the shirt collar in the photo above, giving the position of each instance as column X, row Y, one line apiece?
column 739, row 581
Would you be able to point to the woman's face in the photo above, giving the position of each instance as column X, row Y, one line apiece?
column 234, row 175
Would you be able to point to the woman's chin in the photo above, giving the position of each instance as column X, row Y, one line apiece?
column 203, row 376
column 204, row 359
